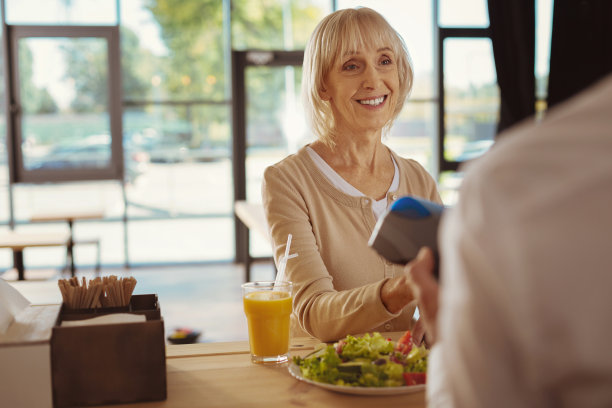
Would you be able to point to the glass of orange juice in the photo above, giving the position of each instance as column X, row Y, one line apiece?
column 268, row 307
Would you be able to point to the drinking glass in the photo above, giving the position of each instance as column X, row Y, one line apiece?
column 268, row 307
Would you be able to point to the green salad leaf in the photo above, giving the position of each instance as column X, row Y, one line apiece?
column 323, row 368
column 416, row 360
column 368, row 346
column 367, row 361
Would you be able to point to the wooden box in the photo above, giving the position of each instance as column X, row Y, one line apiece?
column 112, row 363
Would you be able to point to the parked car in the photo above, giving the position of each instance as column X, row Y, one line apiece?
column 159, row 148
column 474, row 149
column 167, row 152
column 209, row 154
column 173, row 148
column 93, row 152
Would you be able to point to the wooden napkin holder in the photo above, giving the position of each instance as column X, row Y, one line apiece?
column 112, row 363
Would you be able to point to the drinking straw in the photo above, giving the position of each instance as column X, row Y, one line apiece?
column 282, row 264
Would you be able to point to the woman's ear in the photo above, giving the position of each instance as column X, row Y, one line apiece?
column 323, row 94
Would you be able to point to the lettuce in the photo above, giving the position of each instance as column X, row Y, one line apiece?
column 323, row 368
column 368, row 361
column 370, row 347
column 416, row 361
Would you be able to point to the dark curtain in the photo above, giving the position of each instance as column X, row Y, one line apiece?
column 512, row 27
column 581, row 46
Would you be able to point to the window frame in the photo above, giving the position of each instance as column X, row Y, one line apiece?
column 17, row 172
column 445, row 33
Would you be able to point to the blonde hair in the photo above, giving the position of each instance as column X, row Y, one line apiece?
column 342, row 31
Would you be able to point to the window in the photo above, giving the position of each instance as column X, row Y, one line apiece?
column 470, row 100
column 544, row 9
column 65, row 116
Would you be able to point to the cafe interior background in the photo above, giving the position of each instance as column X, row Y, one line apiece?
column 164, row 113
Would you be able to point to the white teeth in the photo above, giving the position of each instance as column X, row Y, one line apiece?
column 372, row 102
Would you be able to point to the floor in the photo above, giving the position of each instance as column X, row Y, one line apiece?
column 206, row 298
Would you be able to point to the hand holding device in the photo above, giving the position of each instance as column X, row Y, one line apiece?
column 408, row 224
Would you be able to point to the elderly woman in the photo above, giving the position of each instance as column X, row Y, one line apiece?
column 329, row 194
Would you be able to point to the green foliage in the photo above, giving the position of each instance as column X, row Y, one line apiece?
column 258, row 24
column 33, row 99
column 87, row 66
column 46, row 103
column 192, row 31
column 136, row 65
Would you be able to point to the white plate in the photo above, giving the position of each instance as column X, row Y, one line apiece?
column 294, row 370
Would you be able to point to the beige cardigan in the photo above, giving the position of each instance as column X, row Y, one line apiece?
column 337, row 277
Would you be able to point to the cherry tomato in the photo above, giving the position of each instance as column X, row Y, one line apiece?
column 404, row 344
column 415, row 378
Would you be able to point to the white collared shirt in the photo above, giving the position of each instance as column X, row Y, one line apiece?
column 525, row 314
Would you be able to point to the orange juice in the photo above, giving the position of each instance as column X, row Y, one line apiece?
column 268, row 315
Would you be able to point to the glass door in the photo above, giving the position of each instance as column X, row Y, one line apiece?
column 275, row 128
column 268, row 124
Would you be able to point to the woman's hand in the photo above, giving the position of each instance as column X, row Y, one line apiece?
column 419, row 334
column 396, row 293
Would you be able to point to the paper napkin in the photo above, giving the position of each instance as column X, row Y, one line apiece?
column 11, row 303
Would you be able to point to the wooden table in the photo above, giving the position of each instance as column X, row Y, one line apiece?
column 69, row 216
column 253, row 217
column 18, row 241
column 222, row 375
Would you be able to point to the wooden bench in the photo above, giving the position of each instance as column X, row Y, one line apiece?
column 70, row 215
column 254, row 218
column 88, row 241
column 18, row 241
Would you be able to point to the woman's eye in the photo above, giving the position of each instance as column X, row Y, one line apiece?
column 386, row 61
column 350, row 67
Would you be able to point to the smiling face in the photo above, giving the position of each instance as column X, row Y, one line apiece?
column 361, row 88
column 352, row 60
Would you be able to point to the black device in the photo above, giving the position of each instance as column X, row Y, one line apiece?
column 408, row 224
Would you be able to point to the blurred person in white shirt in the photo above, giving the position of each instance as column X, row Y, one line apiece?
column 523, row 313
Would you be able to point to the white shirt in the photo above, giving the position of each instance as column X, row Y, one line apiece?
column 378, row 206
column 525, row 316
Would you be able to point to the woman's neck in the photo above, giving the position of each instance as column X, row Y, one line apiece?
column 365, row 164
column 352, row 151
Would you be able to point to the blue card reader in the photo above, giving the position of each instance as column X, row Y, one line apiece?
column 408, row 224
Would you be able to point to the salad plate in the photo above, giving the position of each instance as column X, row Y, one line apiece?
column 295, row 371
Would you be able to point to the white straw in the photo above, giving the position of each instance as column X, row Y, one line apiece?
column 280, row 275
